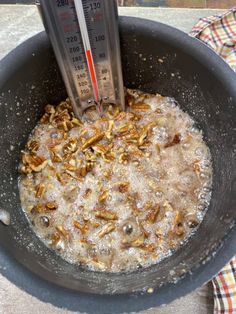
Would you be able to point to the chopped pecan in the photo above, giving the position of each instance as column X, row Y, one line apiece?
column 36, row 163
column 123, row 158
column 51, row 206
column 38, row 208
column 76, row 122
column 150, row 248
column 93, row 223
column 71, row 146
column 159, row 234
column 109, row 157
column 93, row 140
column 61, row 229
column 55, row 157
column 49, row 109
column 129, row 100
column 101, row 148
column 106, row 215
column 25, row 169
column 196, row 167
column 107, row 174
column 60, row 178
column 124, row 128
column 175, row 140
column 158, row 148
column 109, row 227
column 120, row 116
column 87, row 193
column 103, row 196
column 33, row 146
column 45, row 119
column 178, row 228
column 136, row 243
column 144, row 133
column 82, row 227
column 55, row 238
column 108, row 133
column 140, row 107
column 151, row 217
column 40, row 190
column 122, row 186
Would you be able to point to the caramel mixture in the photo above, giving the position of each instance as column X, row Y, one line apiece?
column 120, row 191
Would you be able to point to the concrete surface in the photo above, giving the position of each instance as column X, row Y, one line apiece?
column 17, row 23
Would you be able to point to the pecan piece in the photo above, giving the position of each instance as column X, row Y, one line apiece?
column 151, row 217
column 103, row 196
column 135, row 243
column 33, row 146
column 122, row 187
column 39, row 208
column 106, row 229
column 49, row 109
column 93, row 140
column 36, row 163
column 61, row 229
column 140, row 107
column 55, row 157
column 51, row 206
column 100, row 148
column 71, row 146
column 83, row 228
column 178, row 228
column 87, row 193
column 108, row 133
column 40, row 190
column 150, row 248
column 175, row 140
column 105, row 214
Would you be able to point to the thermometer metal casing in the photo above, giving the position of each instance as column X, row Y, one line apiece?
column 84, row 35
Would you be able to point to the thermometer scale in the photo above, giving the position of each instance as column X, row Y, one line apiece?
column 84, row 35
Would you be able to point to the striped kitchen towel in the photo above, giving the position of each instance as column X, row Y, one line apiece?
column 219, row 32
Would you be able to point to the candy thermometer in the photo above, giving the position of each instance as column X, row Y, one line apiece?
column 84, row 35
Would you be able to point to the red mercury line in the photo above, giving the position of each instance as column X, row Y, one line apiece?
column 87, row 48
column 92, row 75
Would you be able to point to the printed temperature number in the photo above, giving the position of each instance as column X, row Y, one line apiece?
column 84, row 91
column 62, row 3
column 79, row 67
column 77, row 59
column 83, row 83
column 71, row 39
column 100, row 37
column 74, row 49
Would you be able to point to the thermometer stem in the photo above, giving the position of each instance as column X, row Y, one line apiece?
column 88, row 51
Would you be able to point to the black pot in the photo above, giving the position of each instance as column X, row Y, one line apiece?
column 204, row 86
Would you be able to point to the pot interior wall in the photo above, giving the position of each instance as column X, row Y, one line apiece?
column 154, row 60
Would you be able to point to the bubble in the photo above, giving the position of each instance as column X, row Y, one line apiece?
column 205, row 164
column 186, row 146
column 54, row 135
column 159, row 194
column 194, row 130
column 206, row 189
column 199, row 151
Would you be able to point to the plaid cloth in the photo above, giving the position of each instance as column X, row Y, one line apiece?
column 219, row 32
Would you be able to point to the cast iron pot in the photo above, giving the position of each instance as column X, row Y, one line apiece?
column 156, row 58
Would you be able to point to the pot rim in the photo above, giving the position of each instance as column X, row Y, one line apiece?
column 62, row 297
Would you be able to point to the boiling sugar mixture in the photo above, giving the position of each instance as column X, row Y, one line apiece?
column 117, row 192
